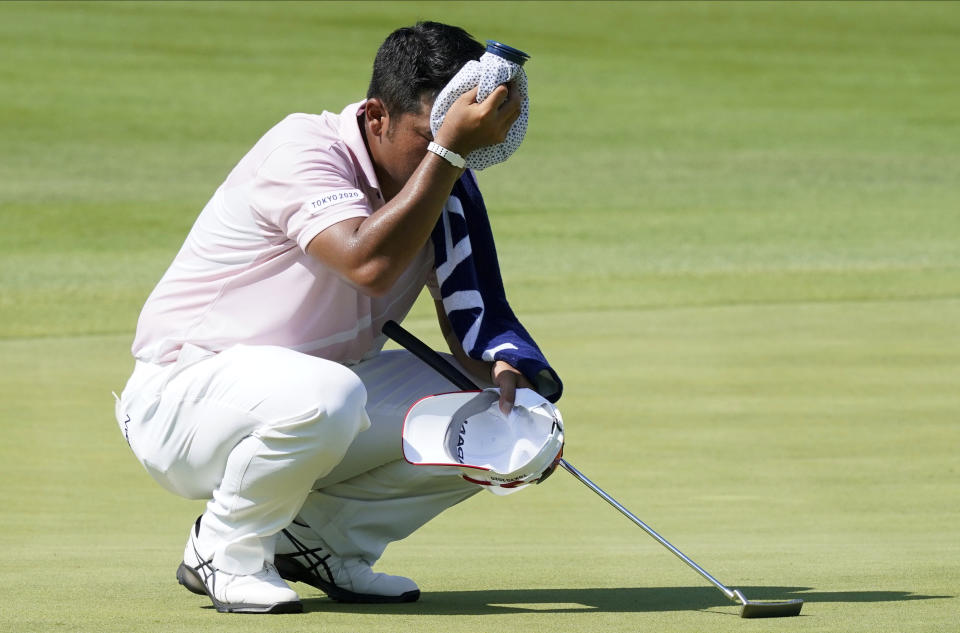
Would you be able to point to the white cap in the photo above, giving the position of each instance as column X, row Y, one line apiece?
column 467, row 430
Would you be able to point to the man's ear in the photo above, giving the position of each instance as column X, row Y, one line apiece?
column 376, row 117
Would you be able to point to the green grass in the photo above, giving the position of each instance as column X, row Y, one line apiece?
column 733, row 227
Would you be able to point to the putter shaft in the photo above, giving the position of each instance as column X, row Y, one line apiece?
column 729, row 593
column 748, row 608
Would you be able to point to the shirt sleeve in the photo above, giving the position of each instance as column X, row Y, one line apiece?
column 303, row 190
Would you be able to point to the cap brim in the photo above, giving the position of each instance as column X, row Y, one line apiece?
column 425, row 429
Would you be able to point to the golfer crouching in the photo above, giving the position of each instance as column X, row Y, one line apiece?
column 259, row 383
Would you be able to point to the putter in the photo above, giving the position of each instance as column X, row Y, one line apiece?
column 748, row 608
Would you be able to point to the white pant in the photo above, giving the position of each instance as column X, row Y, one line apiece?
column 266, row 433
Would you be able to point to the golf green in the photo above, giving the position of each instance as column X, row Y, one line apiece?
column 732, row 227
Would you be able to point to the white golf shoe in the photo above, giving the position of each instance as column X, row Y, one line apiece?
column 262, row 592
column 302, row 557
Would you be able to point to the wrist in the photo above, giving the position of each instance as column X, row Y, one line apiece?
column 448, row 154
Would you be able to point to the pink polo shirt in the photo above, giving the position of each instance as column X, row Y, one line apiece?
column 243, row 274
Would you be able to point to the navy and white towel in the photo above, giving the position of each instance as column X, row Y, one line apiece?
column 472, row 290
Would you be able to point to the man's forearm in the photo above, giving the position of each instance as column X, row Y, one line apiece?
column 386, row 242
column 371, row 253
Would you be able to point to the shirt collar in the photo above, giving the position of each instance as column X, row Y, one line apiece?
column 351, row 135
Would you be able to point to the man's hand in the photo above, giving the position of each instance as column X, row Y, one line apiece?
column 508, row 378
column 469, row 125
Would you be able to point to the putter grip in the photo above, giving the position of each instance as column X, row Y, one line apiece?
column 421, row 350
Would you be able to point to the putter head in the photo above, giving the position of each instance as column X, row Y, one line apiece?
column 767, row 608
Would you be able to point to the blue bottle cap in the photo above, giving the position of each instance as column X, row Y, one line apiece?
column 507, row 52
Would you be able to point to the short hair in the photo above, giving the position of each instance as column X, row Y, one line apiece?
column 417, row 61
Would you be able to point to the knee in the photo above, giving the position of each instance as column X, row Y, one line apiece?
column 343, row 399
column 319, row 398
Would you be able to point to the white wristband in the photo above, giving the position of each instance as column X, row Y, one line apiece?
column 450, row 156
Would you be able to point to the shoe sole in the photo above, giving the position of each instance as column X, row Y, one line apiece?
column 192, row 581
column 292, row 571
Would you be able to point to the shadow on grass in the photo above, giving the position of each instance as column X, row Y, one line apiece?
column 609, row 600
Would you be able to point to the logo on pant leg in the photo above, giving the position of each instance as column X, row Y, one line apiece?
column 126, row 430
